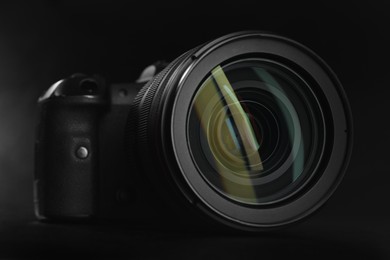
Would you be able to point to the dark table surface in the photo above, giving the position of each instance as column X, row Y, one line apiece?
column 317, row 238
column 44, row 41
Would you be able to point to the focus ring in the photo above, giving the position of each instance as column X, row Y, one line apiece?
column 143, row 103
column 138, row 122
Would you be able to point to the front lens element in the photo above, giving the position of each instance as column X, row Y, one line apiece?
column 254, row 131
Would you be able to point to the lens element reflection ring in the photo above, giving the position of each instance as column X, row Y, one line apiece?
column 249, row 131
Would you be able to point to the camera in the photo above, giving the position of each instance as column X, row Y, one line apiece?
column 249, row 131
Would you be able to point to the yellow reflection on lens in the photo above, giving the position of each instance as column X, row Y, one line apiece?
column 230, row 135
column 241, row 121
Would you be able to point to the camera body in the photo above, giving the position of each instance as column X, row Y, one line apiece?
column 250, row 131
column 83, row 165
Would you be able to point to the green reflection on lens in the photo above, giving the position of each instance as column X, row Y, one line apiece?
column 278, row 92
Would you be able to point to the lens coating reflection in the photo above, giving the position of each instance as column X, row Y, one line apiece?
column 251, row 131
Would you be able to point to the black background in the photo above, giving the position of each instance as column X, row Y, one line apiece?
column 44, row 41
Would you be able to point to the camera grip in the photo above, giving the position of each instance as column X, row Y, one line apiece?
column 66, row 162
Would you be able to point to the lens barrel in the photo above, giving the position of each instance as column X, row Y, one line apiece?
column 252, row 130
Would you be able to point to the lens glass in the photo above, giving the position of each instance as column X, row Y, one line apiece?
column 254, row 131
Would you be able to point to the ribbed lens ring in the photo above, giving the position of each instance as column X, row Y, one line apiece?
column 144, row 134
column 141, row 114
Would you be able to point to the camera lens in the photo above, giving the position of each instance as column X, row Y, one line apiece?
column 252, row 130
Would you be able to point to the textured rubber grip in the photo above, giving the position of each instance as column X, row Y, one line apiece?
column 66, row 163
